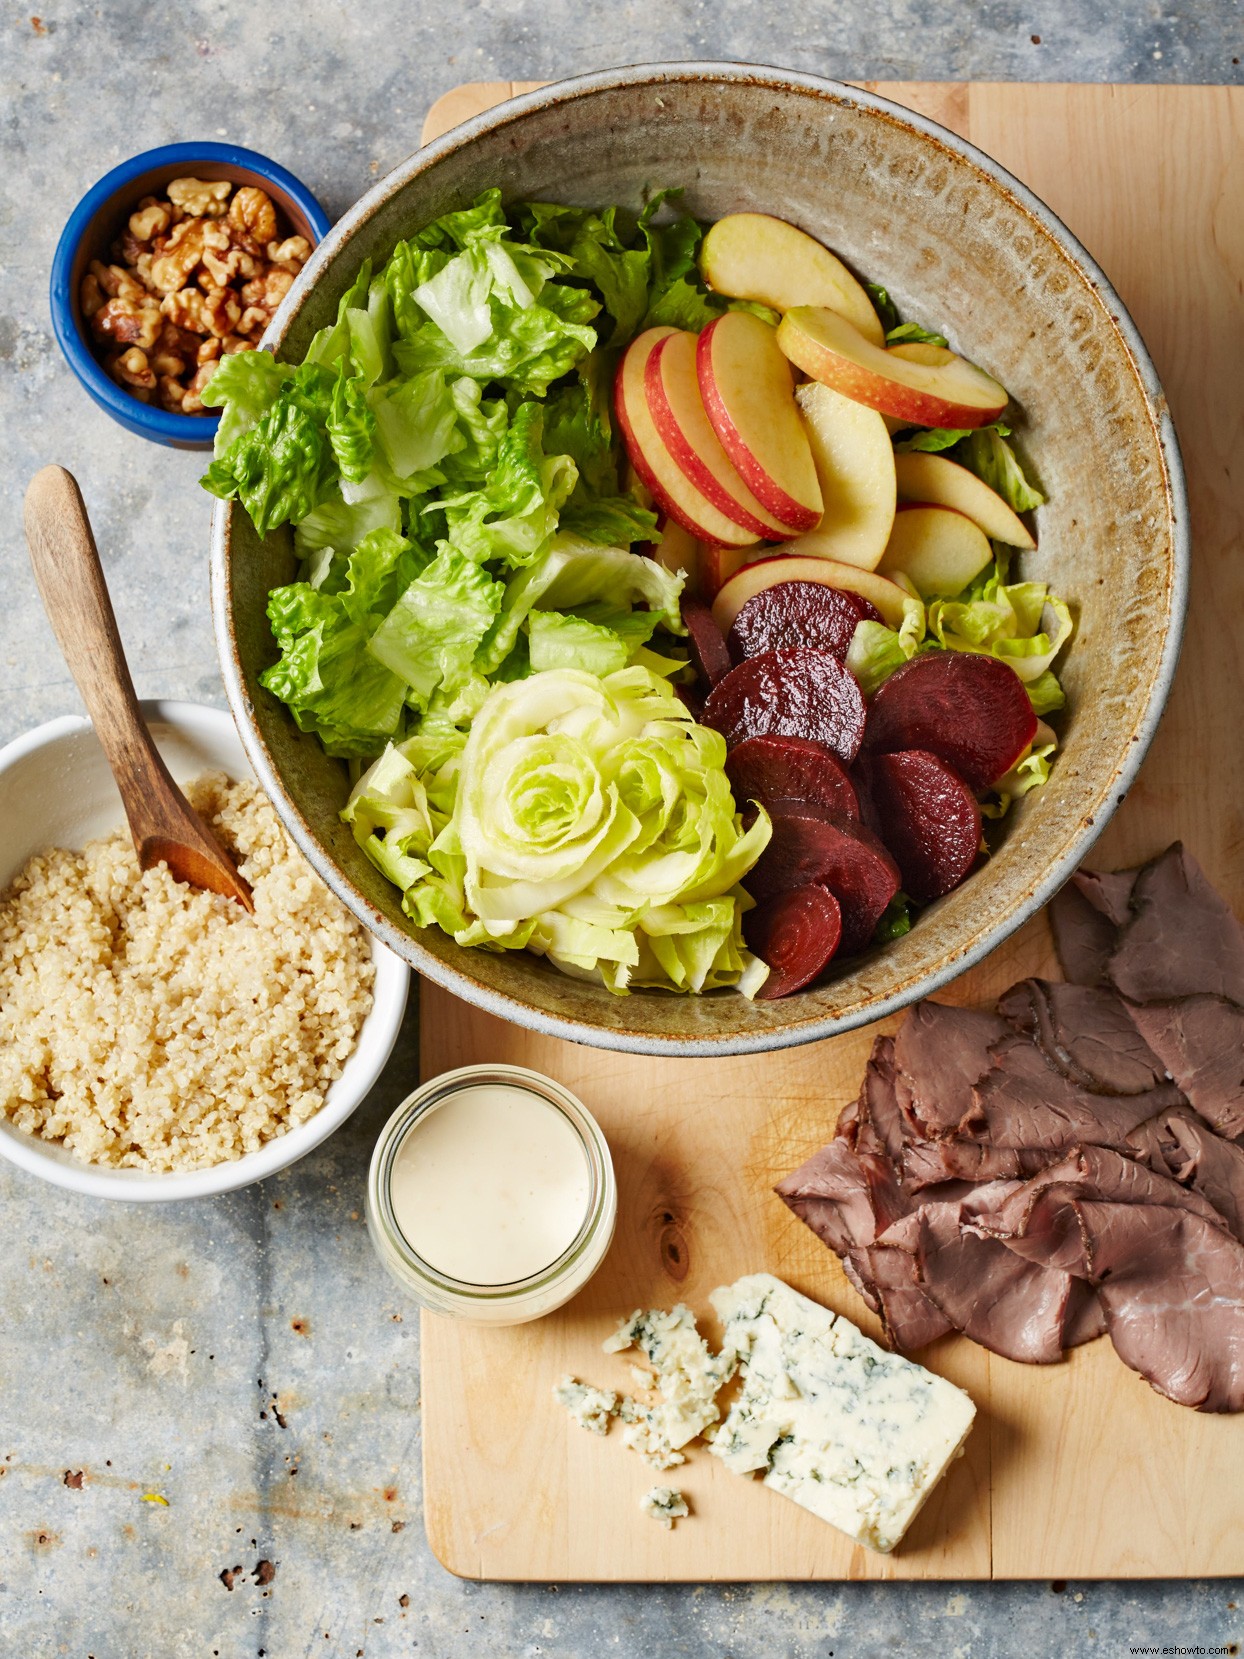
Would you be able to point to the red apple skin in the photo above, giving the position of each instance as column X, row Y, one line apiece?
column 694, row 444
column 671, row 491
column 953, row 394
column 801, row 510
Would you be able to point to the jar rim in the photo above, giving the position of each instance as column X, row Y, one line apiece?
column 430, row 1097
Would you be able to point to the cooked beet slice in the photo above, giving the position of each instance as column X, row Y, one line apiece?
column 790, row 769
column 689, row 697
column 926, row 815
column 811, row 845
column 708, row 648
column 868, row 612
column 790, row 614
column 792, row 693
column 797, row 934
column 968, row 710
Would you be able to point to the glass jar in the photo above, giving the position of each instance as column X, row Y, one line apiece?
column 524, row 1299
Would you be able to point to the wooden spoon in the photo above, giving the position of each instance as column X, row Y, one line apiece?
column 165, row 828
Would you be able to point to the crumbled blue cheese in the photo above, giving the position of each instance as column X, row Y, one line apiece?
column 590, row 1407
column 688, row 1378
column 857, row 1435
column 663, row 1504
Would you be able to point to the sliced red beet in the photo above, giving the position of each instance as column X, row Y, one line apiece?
column 793, row 769
column 708, row 648
column 797, row 934
column 806, row 614
column 812, row 845
column 791, row 693
column 868, row 611
column 926, row 815
column 970, row 711
column 689, row 697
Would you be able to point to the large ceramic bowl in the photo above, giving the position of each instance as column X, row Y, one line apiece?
column 957, row 241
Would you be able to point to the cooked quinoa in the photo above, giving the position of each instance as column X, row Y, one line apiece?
column 147, row 1025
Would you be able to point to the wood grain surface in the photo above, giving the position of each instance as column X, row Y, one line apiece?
column 1073, row 1470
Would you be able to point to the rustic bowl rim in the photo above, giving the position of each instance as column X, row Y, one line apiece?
column 524, row 1014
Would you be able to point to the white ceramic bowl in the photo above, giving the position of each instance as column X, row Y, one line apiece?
column 56, row 790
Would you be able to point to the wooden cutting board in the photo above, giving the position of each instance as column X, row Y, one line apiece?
column 1076, row 1470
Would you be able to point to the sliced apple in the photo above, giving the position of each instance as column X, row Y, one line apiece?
column 678, row 551
column 855, row 466
column 939, row 550
column 672, row 491
column 893, row 604
column 716, row 565
column 672, row 388
column 944, row 483
column 954, row 393
column 753, row 256
column 923, row 351
column 749, row 393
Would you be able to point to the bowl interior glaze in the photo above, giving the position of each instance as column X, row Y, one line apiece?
column 961, row 246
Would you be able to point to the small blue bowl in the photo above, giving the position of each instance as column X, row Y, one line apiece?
column 99, row 218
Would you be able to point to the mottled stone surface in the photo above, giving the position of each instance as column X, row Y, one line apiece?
column 247, row 1360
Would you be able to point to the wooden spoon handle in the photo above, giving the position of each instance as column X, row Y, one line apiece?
column 71, row 583
column 75, row 596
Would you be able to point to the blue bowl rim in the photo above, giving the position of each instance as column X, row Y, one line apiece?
column 160, row 424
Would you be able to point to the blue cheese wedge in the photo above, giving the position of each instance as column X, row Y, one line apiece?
column 664, row 1504
column 688, row 1376
column 858, row 1436
column 591, row 1408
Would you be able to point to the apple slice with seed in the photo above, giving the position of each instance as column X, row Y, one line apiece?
column 946, row 393
column 671, row 490
column 753, row 256
column 749, row 393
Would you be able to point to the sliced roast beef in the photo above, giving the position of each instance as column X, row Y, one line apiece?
column 941, row 1053
column 1086, row 1318
column 1024, row 1103
column 1172, row 1287
column 1181, row 1145
column 1200, row 1042
column 929, row 1163
column 1083, row 937
column 1181, row 938
column 846, row 1197
column 911, row 1320
column 1169, row 1276
column 1086, row 1032
column 1014, row 1307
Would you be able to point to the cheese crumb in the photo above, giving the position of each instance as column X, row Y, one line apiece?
column 665, row 1505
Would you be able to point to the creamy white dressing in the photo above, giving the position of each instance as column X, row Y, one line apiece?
column 492, row 1186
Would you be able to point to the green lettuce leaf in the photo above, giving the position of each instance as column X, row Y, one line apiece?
column 515, row 513
column 558, row 640
column 351, row 428
column 430, row 636
column 987, row 453
column 325, row 675
column 887, row 311
column 912, row 332
column 283, row 465
column 1029, row 773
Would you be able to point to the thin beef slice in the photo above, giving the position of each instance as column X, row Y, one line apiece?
column 1200, row 1042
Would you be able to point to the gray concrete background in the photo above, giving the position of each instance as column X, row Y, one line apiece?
column 246, row 1359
